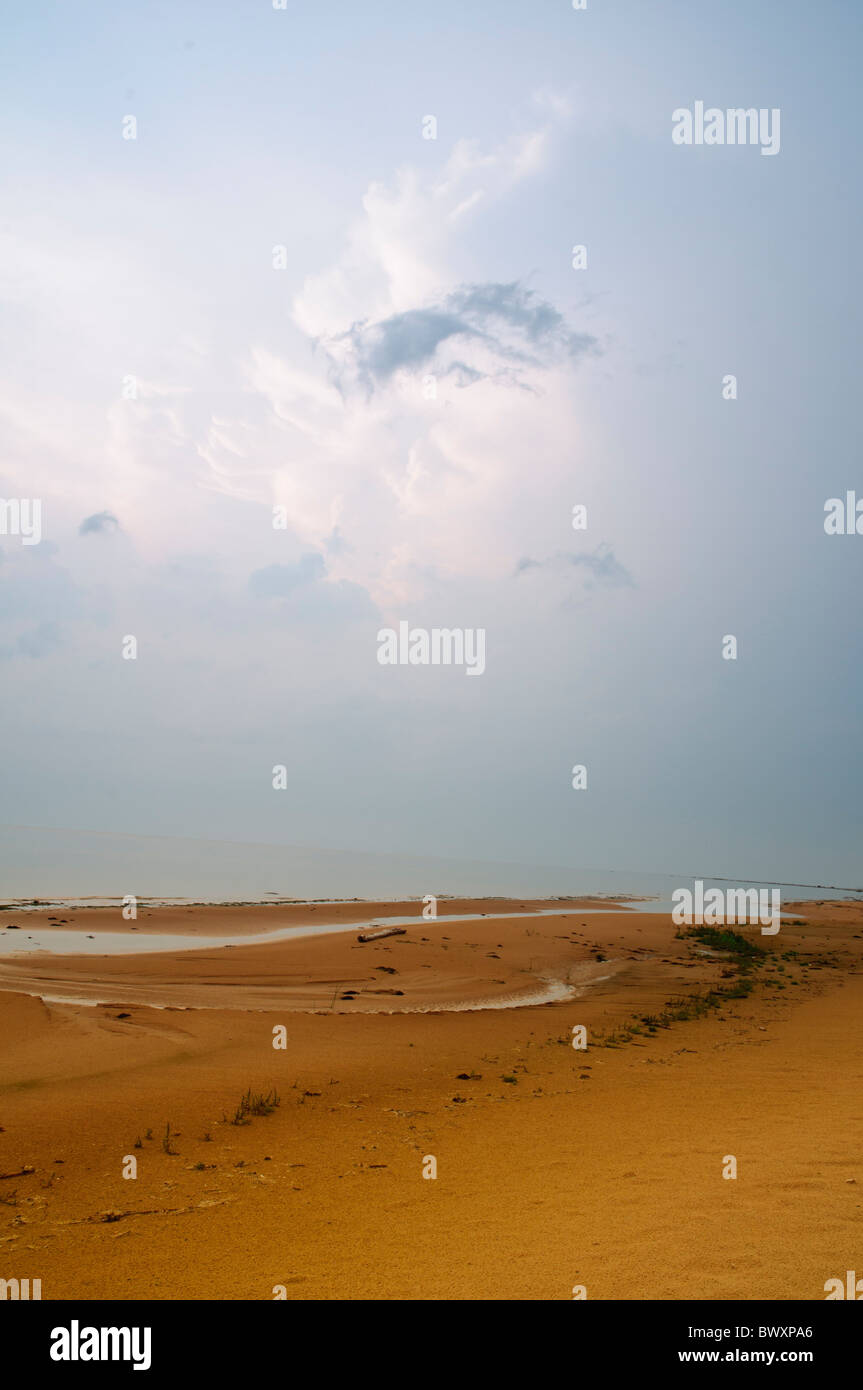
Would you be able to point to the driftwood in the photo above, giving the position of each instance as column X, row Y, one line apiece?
column 375, row 933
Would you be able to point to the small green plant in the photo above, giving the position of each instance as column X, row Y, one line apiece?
column 722, row 939
column 255, row 1104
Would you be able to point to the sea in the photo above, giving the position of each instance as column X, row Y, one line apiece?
column 47, row 866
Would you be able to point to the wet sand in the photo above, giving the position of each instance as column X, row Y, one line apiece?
column 555, row 1166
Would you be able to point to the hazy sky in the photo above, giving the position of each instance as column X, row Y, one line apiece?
column 241, row 308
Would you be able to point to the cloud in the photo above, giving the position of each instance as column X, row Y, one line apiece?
column 516, row 307
column 423, row 481
column 39, row 603
column 39, row 641
column 397, row 253
column 98, row 523
column 507, row 321
column 602, row 565
column 277, row 581
column 317, row 598
column 406, row 340
column 395, row 485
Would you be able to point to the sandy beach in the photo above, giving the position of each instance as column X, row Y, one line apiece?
column 555, row 1166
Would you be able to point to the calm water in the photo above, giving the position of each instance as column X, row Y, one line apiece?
column 66, row 941
column 57, row 865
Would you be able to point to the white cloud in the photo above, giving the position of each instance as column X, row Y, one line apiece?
column 398, row 252
column 420, row 488
column 340, row 430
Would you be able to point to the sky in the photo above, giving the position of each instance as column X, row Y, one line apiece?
column 282, row 302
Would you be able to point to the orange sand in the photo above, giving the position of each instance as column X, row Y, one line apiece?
column 601, row 1168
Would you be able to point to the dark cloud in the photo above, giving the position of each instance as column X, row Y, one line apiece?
column 601, row 564
column 463, row 374
column 98, row 523
column 512, row 322
column 408, row 340
column 519, row 309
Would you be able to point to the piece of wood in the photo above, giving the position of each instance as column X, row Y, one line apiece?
column 375, row 933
